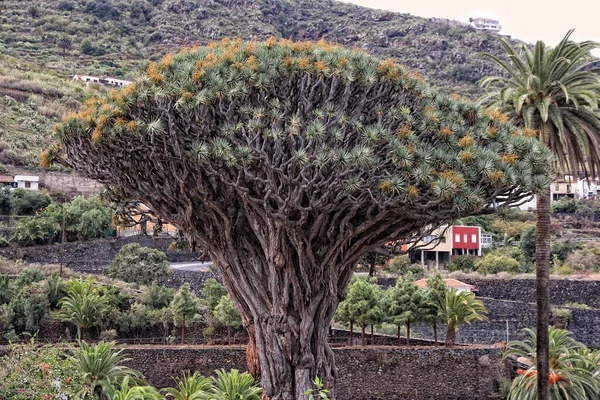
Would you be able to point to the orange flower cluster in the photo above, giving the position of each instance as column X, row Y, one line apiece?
column 453, row 176
column 385, row 186
column 510, row 158
column 466, row 141
column 466, row 156
column 445, row 132
column 497, row 177
column 404, row 131
column 413, row 192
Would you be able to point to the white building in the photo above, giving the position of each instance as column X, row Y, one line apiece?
column 486, row 24
column 102, row 80
column 28, row 182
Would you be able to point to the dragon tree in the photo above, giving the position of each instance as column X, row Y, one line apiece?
column 289, row 161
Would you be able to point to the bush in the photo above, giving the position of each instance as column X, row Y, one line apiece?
column 134, row 263
column 34, row 230
column 28, row 202
column 493, row 263
column 565, row 205
column 462, row 263
column 580, row 306
column 398, row 266
column 561, row 317
column 417, row 270
column 584, row 260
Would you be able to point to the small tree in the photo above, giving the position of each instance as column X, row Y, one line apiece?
column 436, row 296
column 134, row 263
column 212, row 292
column 82, row 306
column 407, row 303
column 157, row 296
column 64, row 43
column 460, row 308
column 361, row 306
column 226, row 314
column 185, row 307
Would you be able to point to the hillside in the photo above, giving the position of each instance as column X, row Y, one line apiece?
column 59, row 38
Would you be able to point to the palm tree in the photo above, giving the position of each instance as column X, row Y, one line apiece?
column 553, row 94
column 82, row 306
column 102, row 368
column 573, row 368
column 460, row 308
column 191, row 387
column 234, row 385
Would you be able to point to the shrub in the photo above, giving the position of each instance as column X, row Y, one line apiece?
column 584, row 260
column 28, row 202
column 134, row 263
column 399, row 265
column 462, row 263
column 108, row 335
column 34, row 230
column 493, row 263
column 561, row 317
column 30, row 371
column 564, row 270
column 417, row 270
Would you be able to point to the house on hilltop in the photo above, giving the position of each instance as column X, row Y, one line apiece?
column 486, row 24
column 102, row 80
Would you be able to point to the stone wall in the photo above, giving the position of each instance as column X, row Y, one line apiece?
column 366, row 373
column 519, row 315
column 561, row 290
column 93, row 255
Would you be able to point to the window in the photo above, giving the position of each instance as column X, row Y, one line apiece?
column 473, row 238
column 457, row 238
column 27, row 185
column 465, row 238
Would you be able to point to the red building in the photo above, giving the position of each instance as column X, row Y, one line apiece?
column 439, row 248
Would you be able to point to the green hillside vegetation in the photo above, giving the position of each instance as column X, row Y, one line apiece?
column 112, row 36
column 31, row 101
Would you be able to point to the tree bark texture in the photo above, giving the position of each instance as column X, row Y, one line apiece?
column 362, row 335
column 542, row 263
column 450, row 336
column 252, row 360
column 408, row 333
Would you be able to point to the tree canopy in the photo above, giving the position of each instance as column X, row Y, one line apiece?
column 289, row 161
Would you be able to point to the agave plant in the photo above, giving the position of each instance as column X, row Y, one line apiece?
column 191, row 387
column 233, row 385
column 573, row 368
column 102, row 367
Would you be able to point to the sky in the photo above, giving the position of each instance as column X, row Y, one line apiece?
column 527, row 20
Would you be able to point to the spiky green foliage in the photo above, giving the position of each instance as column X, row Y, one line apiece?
column 460, row 308
column 82, row 306
column 234, row 385
column 191, row 387
column 554, row 92
column 290, row 161
column 125, row 392
column 573, row 368
column 102, row 367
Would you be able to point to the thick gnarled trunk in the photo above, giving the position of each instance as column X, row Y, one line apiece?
column 542, row 264
column 288, row 316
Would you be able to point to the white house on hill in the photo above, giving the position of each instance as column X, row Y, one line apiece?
column 28, row 182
